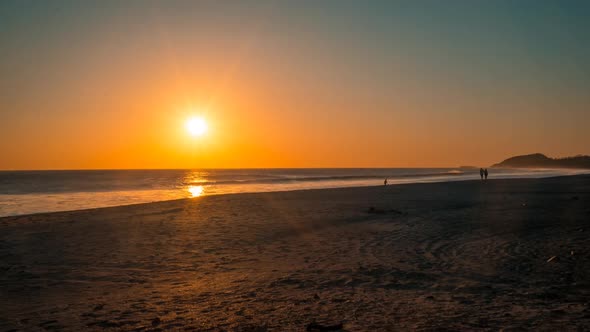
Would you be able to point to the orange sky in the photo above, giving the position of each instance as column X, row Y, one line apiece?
column 280, row 87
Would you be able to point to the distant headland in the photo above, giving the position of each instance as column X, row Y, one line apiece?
column 539, row 160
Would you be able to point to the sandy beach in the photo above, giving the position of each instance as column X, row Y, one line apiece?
column 470, row 255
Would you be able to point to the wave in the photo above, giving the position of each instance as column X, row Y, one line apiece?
column 318, row 178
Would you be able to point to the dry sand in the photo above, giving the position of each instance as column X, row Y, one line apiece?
column 459, row 256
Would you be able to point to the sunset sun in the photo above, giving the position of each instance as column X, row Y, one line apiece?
column 196, row 126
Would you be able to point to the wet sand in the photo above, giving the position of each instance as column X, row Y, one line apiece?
column 505, row 254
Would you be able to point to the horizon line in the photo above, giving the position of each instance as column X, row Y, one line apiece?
column 221, row 168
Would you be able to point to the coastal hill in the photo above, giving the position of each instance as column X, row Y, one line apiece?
column 538, row 160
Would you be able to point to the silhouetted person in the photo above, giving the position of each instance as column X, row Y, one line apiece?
column 481, row 173
column 485, row 173
column 385, row 182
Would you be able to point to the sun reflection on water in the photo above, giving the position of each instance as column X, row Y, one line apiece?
column 195, row 191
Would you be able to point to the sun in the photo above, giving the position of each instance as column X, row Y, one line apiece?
column 196, row 126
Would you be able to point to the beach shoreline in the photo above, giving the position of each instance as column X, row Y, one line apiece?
column 423, row 181
column 502, row 253
column 23, row 193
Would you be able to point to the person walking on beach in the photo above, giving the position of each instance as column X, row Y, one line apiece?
column 385, row 182
column 481, row 173
column 485, row 173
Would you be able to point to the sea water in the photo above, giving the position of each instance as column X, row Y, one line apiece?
column 25, row 192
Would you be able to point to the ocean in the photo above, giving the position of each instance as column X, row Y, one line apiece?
column 26, row 192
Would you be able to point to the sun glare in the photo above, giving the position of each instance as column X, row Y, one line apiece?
column 195, row 191
column 196, row 126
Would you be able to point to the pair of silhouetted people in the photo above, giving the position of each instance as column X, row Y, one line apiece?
column 483, row 173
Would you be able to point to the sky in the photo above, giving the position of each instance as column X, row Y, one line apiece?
column 110, row 84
